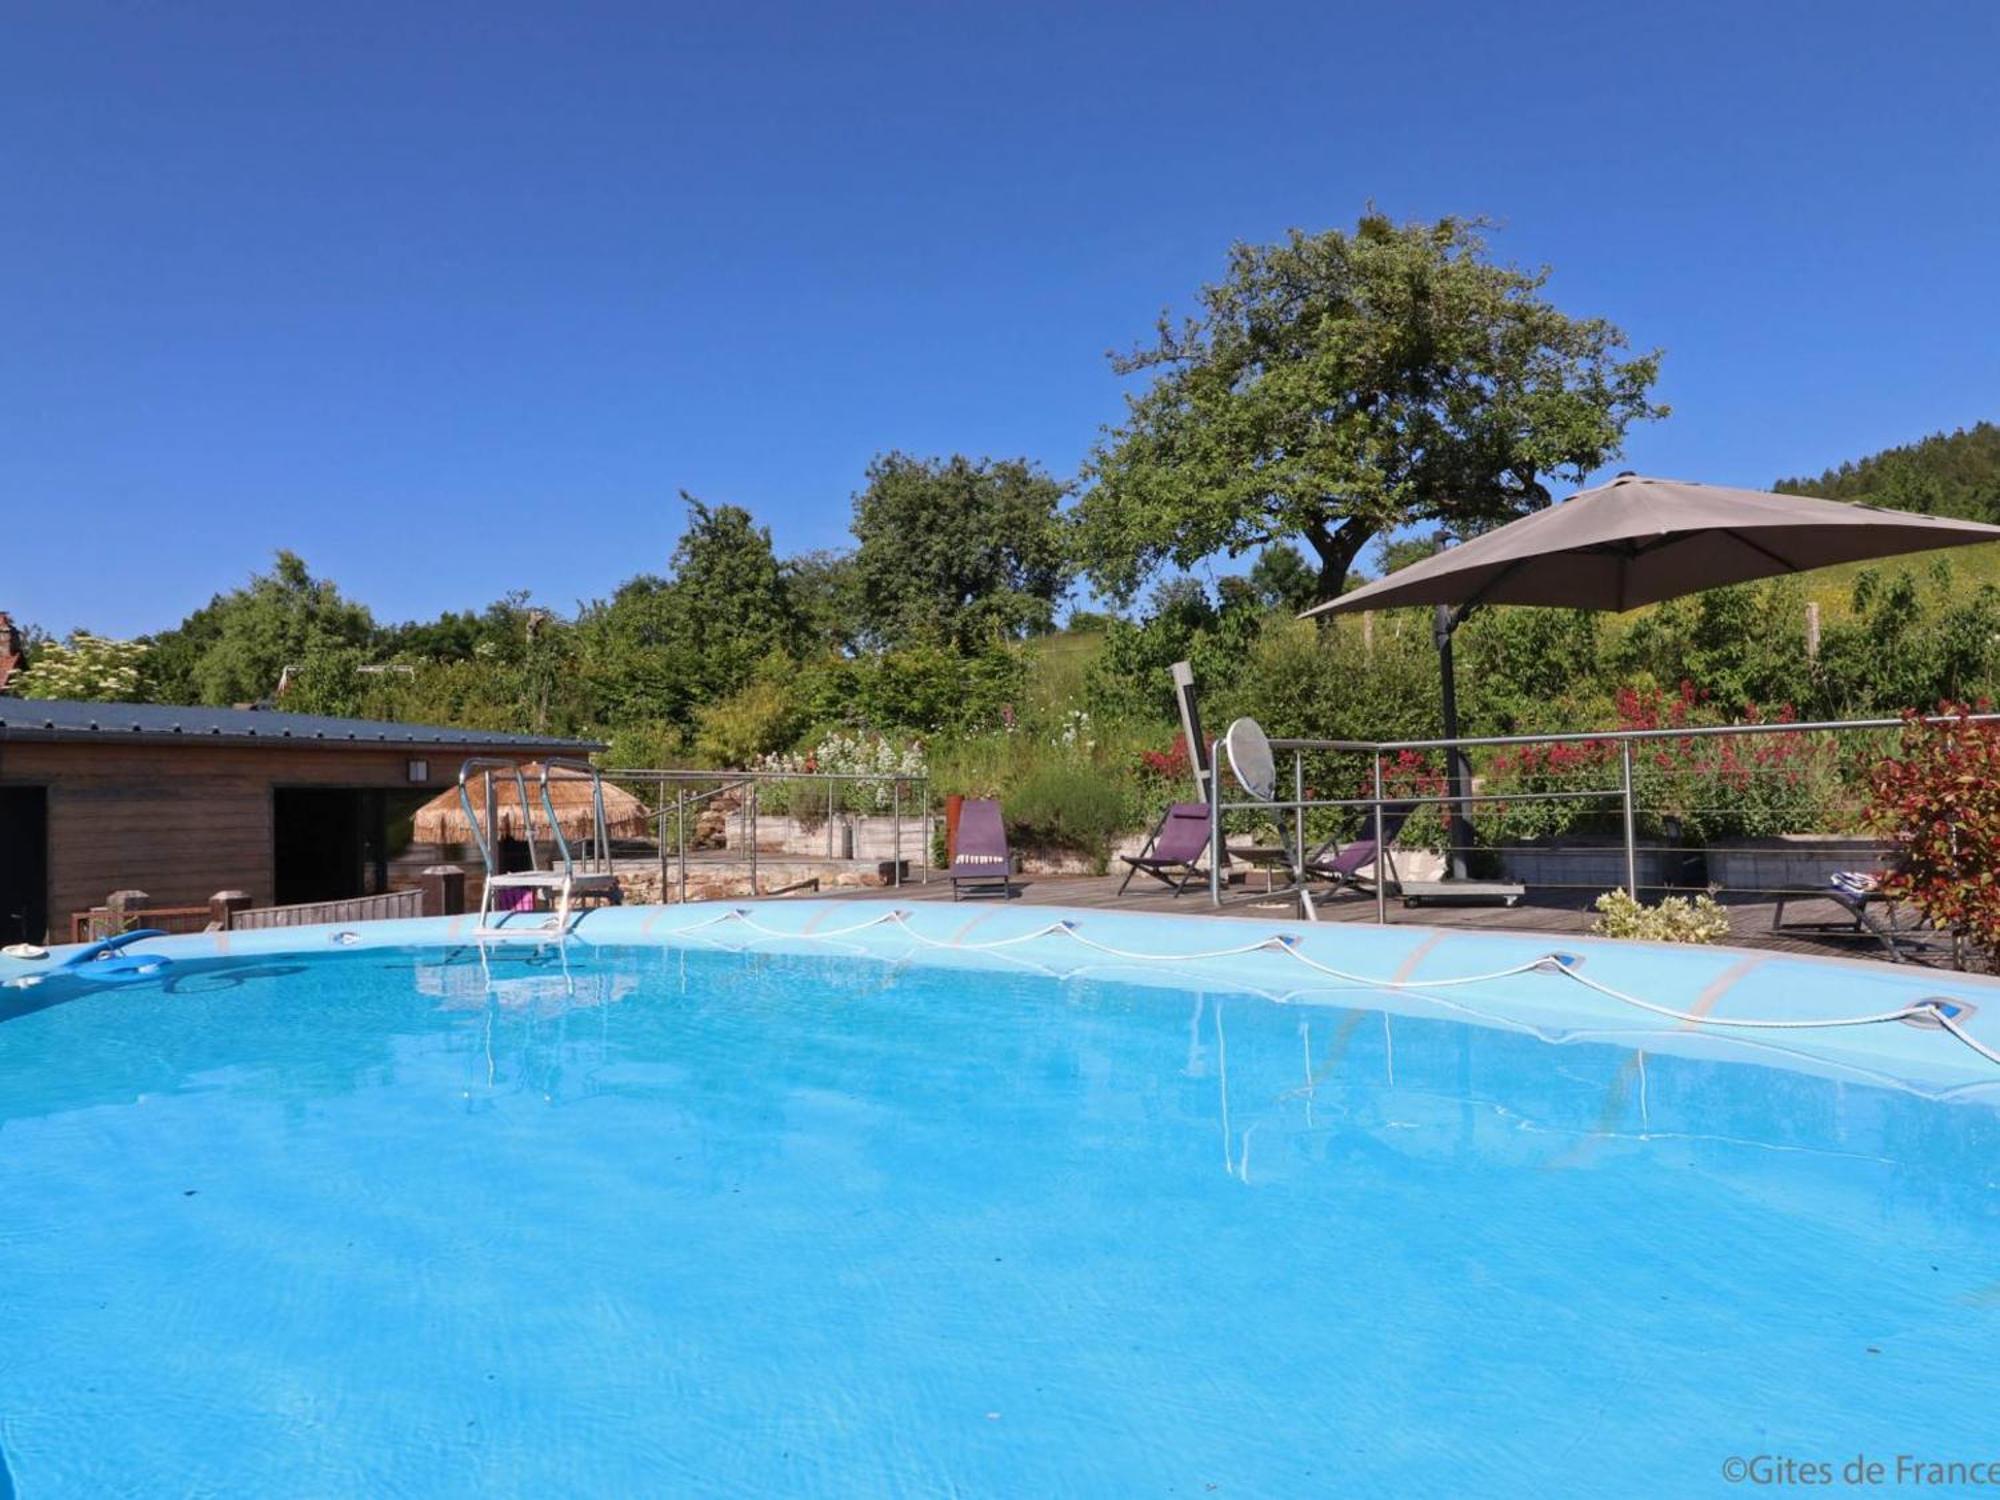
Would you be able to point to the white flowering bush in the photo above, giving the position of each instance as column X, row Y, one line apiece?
column 92, row 668
column 1075, row 736
column 875, row 756
column 1675, row 920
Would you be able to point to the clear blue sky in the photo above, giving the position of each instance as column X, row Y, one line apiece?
column 453, row 299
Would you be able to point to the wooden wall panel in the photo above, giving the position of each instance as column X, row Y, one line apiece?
column 182, row 821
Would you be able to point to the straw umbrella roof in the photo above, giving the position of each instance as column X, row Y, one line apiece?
column 442, row 819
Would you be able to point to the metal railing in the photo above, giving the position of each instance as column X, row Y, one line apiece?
column 1617, row 750
column 805, row 796
column 485, row 820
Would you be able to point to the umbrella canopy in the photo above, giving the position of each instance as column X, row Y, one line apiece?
column 442, row 819
column 1637, row 541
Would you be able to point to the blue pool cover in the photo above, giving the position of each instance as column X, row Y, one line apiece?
column 812, row 1199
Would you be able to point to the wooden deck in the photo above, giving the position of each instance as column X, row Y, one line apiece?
column 1544, row 911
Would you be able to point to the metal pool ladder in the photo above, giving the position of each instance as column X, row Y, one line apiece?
column 567, row 879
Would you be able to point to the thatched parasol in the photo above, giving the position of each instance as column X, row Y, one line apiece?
column 442, row 819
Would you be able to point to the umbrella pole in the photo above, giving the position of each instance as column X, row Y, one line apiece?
column 1444, row 622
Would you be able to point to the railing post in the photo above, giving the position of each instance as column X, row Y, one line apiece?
column 681, row 839
column 1299, row 816
column 896, row 812
column 443, row 888
column 1214, row 830
column 753, row 838
column 1381, row 854
column 224, row 905
column 1631, row 823
column 660, row 831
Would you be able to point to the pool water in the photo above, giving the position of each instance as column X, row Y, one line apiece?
column 722, row 1223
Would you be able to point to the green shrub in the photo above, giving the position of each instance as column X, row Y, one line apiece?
column 759, row 718
column 1675, row 920
column 1075, row 807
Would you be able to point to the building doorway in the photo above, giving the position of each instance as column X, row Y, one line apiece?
column 24, row 864
column 331, row 844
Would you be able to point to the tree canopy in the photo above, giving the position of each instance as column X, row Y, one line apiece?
column 1339, row 385
column 1945, row 474
column 236, row 647
column 957, row 551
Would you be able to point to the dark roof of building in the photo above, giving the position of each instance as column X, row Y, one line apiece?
column 61, row 719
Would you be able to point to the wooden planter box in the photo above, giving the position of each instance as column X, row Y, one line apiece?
column 1791, row 861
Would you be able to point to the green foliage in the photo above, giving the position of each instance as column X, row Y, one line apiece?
column 1281, row 578
column 931, row 689
column 1067, row 804
column 661, row 647
column 90, row 668
column 957, row 552
column 1938, row 799
column 1395, row 553
column 824, row 596
column 327, row 681
column 1909, row 645
column 1184, row 624
column 1677, row 919
column 1339, row 385
column 759, row 718
column 234, row 649
column 1522, row 670
column 1946, row 474
column 1735, row 646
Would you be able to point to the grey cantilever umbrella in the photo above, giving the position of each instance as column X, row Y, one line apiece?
column 1637, row 541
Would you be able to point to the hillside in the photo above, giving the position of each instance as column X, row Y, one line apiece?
column 1945, row 474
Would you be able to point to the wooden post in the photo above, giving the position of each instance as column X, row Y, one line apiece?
column 1368, row 634
column 444, row 890
column 1812, row 630
column 118, row 907
column 223, row 907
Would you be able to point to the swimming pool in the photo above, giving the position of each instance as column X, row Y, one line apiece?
column 779, row 1203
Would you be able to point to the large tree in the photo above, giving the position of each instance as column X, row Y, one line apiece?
column 1338, row 385
column 662, row 647
column 957, row 552
column 234, row 648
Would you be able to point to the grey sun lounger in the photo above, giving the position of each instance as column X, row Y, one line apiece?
column 1871, row 915
column 981, row 860
column 1172, row 855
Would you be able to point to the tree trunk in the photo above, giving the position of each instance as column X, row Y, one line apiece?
column 1337, row 547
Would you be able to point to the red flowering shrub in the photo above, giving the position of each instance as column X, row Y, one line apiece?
column 1171, row 765
column 1938, row 801
column 1690, row 787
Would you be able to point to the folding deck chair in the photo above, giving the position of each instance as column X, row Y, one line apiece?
column 1172, row 854
column 981, row 860
column 1343, row 867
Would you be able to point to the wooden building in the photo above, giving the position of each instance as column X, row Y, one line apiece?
column 184, row 802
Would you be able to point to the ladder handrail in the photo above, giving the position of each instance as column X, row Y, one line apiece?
column 602, row 837
column 486, row 836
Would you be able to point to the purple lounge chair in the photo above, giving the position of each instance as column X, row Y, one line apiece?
column 1343, row 868
column 981, row 859
column 1179, row 840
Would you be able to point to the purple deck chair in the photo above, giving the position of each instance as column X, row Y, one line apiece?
column 1179, row 840
column 1343, row 868
column 981, row 859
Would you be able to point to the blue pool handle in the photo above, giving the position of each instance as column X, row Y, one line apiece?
column 103, row 948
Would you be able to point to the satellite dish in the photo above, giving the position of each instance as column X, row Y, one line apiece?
column 1250, row 759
